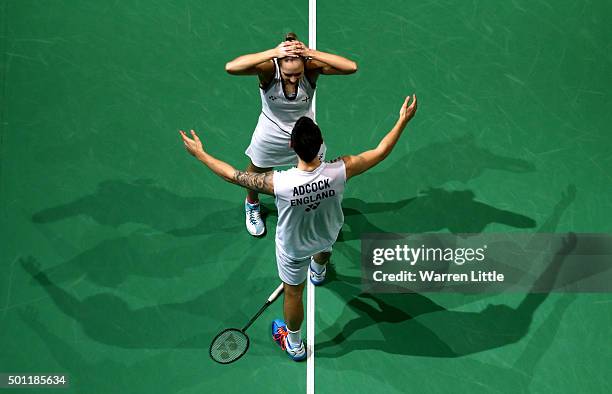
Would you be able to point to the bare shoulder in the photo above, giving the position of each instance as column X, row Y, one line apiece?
column 353, row 165
column 348, row 165
column 348, row 160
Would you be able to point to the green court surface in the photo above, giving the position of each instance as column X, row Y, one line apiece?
column 121, row 257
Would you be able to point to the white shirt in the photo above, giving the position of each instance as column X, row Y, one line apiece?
column 279, row 109
column 309, row 208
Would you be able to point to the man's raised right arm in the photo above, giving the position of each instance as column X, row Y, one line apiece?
column 358, row 164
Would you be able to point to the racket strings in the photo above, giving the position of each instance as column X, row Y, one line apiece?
column 229, row 346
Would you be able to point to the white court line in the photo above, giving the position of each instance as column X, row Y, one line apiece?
column 310, row 337
column 312, row 40
column 310, row 308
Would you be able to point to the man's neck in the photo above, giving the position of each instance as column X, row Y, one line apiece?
column 310, row 166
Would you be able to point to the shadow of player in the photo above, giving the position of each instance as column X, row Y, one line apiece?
column 107, row 318
column 459, row 159
column 510, row 377
column 110, row 376
column 433, row 210
column 113, row 261
column 117, row 202
column 406, row 317
column 412, row 324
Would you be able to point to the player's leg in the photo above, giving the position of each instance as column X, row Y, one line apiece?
column 254, row 223
column 318, row 267
column 293, row 307
column 287, row 333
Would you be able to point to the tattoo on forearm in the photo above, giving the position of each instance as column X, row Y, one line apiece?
column 258, row 182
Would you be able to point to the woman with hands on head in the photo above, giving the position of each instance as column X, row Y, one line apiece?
column 287, row 77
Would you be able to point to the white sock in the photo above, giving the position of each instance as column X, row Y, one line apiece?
column 253, row 204
column 318, row 268
column 294, row 337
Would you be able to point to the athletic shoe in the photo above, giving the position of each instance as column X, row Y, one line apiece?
column 279, row 335
column 254, row 224
column 317, row 278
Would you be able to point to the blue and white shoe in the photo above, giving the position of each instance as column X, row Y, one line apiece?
column 254, row 223
column 317, row 278
column 279, row 335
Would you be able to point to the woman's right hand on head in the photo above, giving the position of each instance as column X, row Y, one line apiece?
column 286, row 49
column 300, row 49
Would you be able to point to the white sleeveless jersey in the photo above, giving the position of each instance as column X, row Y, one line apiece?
column 309, row 208
column 282, row 111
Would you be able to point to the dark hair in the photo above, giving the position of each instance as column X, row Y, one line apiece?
column 306, row 139
column 291, row 37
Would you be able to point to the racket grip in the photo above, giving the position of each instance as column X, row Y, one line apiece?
column 275, row 293
column 271, row 299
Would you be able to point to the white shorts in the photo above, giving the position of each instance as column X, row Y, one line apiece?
column 293, row 271
column 270, row 146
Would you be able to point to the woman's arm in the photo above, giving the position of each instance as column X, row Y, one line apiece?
column 326, row 63
column 260, row 63
column 330, row 64
column 251, row 64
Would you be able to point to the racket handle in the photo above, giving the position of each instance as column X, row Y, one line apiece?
column 271, row 299
column 275, row 294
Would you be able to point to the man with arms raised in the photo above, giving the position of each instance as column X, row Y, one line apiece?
column 308, row 198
